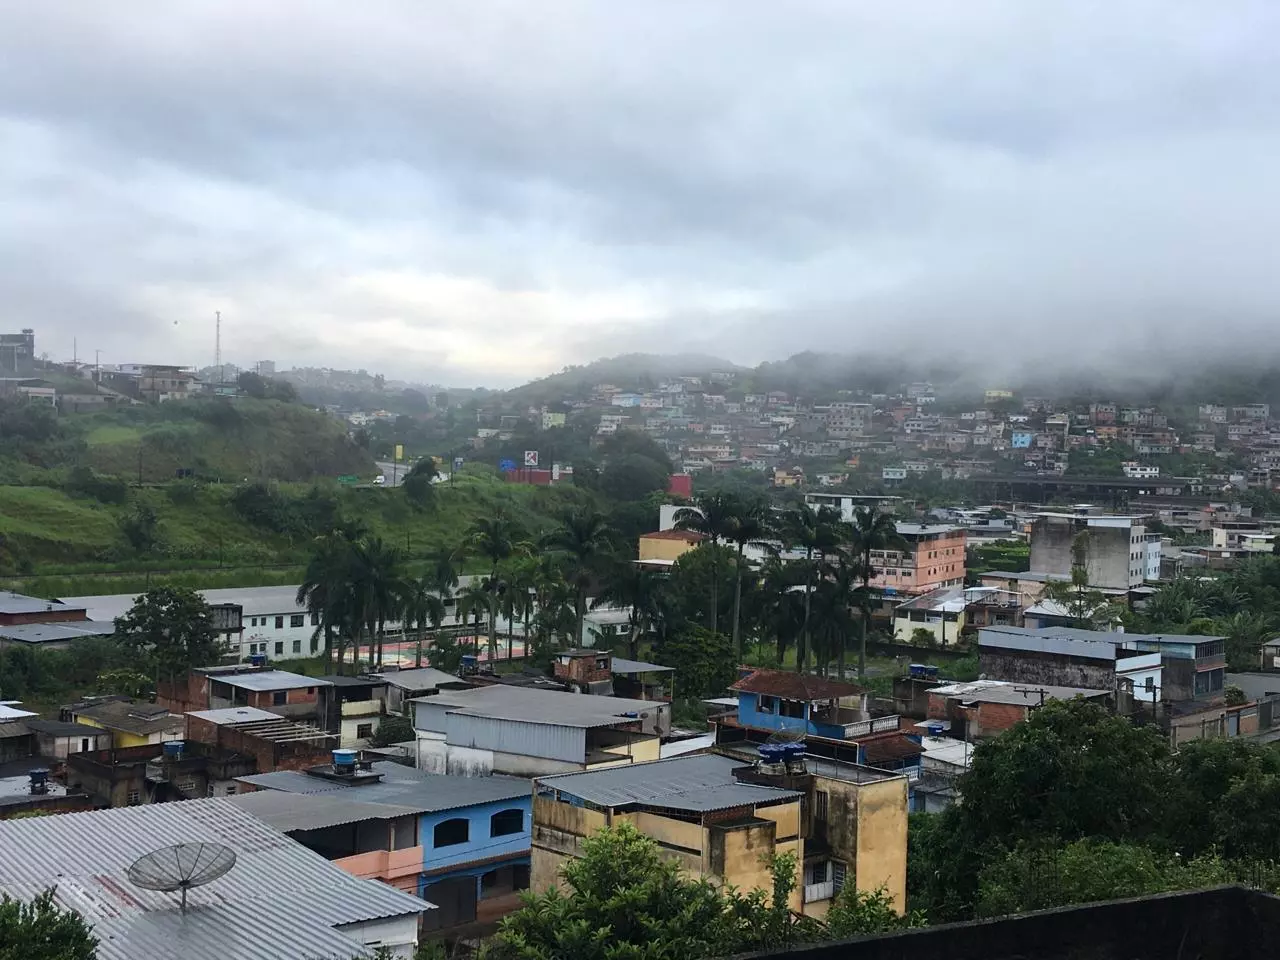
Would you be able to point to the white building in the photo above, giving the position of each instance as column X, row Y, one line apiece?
column 272, row 622
column 1139, row 471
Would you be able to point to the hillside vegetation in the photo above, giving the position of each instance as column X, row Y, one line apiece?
column 194, row 525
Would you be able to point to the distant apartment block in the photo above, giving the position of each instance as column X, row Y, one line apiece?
column 1116, row 551
column 934, row 558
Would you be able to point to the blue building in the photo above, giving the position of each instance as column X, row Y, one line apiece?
column 818, row 709
column 461, row 843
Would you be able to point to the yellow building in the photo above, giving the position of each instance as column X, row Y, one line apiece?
column 667, row 546
column 131, row 723
column 721, row 817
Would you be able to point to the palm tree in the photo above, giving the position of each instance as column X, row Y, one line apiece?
column 871, row 530
column 323, row 589
column 583, row 538
column 378, row 587
column 497, row 538
column 637, row 589
column 781, row 604
column 473, row 601
column 711, row 515
column 816, row 532
column 752, row 526
column 843, row 591
column 423, row 605
column 523, row 591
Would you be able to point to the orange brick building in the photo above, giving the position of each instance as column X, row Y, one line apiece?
column 934, row 558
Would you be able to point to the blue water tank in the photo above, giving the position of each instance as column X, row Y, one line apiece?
column 344, row 761
column 917, row 669
column 771, row 752
column 935, row 729
column 258, row 659
column 173, row 749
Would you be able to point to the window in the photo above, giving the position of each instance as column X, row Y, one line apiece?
column 452, row 832
column 1149, row 684
column 315, row 619
column 506, row 822
column 819, row 872
column 767, row 704
column 364, row 731
column 297, row 620
column 84, row 744
column 297, row 646
column 820, row 806
column 793, row 708
column 133, row 798
column 279, row 698
column 279, row 648
column 280, row 623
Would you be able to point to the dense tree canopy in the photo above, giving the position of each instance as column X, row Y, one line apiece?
column 40, row 930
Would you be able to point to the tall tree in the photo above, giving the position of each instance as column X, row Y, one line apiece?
column 497, row 538
column 474, row 601
column 711, row 515
column 324, row 592
column 172, row 627
column 626, row 584
column 816, row 532
column 378, row 587
column 753, row 526
column 871, row 530
column 583, row 539
column 423, row 607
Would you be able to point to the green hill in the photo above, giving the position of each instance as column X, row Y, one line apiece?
column 244, row 530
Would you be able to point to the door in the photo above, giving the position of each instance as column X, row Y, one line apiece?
column 455, row 902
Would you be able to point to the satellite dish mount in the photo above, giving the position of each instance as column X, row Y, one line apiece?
column 181, row 867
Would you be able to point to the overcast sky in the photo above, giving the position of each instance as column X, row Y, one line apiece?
column 481, row 192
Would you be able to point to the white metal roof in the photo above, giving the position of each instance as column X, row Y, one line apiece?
column 260, row 680
column 233, row 715
column 280, row 899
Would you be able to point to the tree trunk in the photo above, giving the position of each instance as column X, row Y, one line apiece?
column 802, row 651
column 417, row 659
column 579, row 614
column 528, row 613
column 511, row 630
column 866, row 626
column 737, row 608
column 715, row 591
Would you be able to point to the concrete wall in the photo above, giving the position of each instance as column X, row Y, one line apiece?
column 882, row 838
column 558, row 832
column 398, row 934
column 1037, row 666
column 664, row 548
column 1110, row 561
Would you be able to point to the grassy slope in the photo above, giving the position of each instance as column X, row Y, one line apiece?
column 75, row 543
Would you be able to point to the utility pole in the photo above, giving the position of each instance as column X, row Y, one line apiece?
column 97, row 367
column 217, row 344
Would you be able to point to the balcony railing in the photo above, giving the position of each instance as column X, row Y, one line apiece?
column 814, row 892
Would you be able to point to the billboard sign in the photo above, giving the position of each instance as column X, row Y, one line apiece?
column 507, row 466
column 531, row 458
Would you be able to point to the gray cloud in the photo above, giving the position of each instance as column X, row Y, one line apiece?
column 485, row 192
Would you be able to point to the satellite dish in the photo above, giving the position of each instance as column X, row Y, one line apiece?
column 181, row 867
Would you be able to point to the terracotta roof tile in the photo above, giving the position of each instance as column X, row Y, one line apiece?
column 795, row 686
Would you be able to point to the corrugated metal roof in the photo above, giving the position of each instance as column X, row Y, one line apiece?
column 623, row 665
column 280, row 900
column 225, row 715
column 15, row 603
column 401, row 786
column 62, row 631
column 419, row 678
column 700, row 784
column 293, row 811
column 540, row 706
column 259, row 680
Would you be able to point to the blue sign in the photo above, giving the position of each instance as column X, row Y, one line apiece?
column 507, row 466
column 890, row 591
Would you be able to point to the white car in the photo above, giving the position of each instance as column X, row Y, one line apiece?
column 380, row 480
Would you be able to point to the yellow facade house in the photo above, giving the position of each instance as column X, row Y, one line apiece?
column 721, row 817
column 667, row 546
column 132, row 723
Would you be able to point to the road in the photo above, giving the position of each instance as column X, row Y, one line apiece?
column 393, row 472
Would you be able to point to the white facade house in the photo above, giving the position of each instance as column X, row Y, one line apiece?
column 273, row 623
